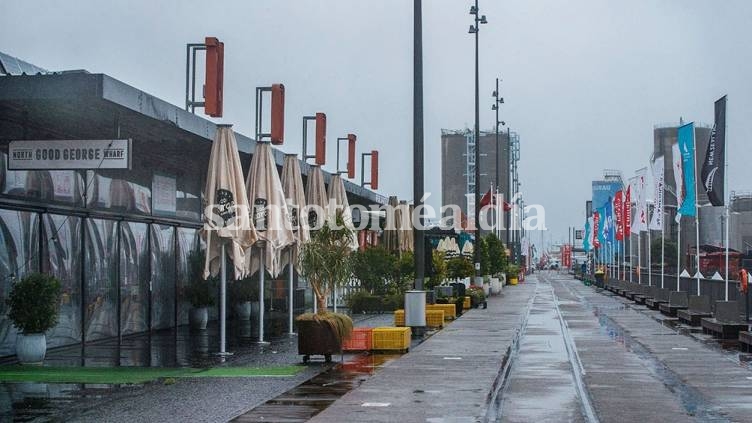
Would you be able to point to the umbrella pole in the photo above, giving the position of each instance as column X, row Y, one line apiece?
column 262, row 275
column 290, row 305
column 222, row 298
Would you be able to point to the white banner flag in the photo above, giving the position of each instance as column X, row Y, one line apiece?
column 640, row 221
column 676, row 159
column 656, row 222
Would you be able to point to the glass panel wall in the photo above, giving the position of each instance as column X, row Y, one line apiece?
column 63, row 260
column 162, row 276
column 101, row 272
column 19, row 255
column 134, row 277
column 188, row 241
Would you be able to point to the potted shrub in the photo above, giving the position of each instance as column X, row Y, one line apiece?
column 513, row 272
column 199, row 291
column 33, row 309
column 477, row 296
column 244, row 293
column 325, row 263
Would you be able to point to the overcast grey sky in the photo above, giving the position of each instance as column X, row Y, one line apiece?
column 584, row 80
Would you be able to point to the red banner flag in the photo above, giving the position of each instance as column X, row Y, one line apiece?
column 618, row 213
column 596, row 228
column 627, row 214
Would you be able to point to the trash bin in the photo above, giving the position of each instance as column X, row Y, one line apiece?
column 599, row 275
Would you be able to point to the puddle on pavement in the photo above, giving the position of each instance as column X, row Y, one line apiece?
column 313, row 396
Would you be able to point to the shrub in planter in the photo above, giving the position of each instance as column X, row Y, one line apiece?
column 243, row 293
column 459, row 268
column 394, row 301
column 199, row 292
column 33, row 308
column 363, row 302
column 477, row 296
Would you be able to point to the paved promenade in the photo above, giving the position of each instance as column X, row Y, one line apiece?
column 451, row 377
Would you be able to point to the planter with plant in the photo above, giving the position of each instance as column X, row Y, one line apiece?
column 326, row 264
column 199, row 291
column 477, row 296
column 244, row 295
column 33, row 308
column 513, row 272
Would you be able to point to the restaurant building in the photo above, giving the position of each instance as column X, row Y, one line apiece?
column 118, row 239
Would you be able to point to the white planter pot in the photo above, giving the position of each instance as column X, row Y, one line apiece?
column 243, row 310
column 31, row 348
column 198, row 317
column 487, row 289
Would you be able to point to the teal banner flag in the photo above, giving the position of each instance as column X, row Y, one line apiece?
column 686, row 139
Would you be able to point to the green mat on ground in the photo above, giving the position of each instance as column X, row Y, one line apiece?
column 125, row 375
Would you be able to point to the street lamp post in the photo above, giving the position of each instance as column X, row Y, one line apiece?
column 418, row 188
column 475, row 29
column 498, row 101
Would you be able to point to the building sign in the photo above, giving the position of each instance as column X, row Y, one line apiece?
column 69, row 154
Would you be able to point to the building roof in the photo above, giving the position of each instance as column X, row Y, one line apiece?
column 65, row 97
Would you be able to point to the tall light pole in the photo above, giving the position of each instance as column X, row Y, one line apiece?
column 498, row 101
column 418, row 235
column 475, row 29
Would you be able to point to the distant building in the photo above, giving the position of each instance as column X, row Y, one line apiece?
column 458, row 171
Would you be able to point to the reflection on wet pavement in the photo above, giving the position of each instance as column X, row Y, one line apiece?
column 541, row 385
column 308, row 399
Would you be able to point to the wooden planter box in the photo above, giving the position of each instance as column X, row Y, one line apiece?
column 317, row 338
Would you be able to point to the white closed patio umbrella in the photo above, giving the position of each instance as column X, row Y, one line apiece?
column 339, row 204
column 316, row 202
column 227, row 228
column 292, row 185
column 270, row 217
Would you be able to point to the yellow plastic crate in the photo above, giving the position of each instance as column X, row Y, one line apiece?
column 399, row 317
column 391, row 339
column 468, row 304
column 450, row 310
column 435, row 318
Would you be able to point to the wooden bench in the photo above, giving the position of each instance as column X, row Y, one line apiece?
column 676, row 301
column 745, row 341
column 658, row 296
column 642, row 294
column 726, row 323
column 699, row 308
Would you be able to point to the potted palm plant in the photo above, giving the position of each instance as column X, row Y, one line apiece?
column 325, row 263
column 33, row 308
column 199, row 291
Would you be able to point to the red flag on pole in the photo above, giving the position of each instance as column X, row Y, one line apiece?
column 596, row 222
column 618, row 215
column 627, row 214
column 486, row 199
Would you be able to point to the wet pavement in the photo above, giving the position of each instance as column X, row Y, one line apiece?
column 542, row 385
column 547, row 350
column 189, row 399
column 453, row 376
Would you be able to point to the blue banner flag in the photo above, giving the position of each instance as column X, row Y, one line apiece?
column 586, row 239
column 686, row 140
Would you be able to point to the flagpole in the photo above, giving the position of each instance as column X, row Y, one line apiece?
column 678, row 250
column 663, row 248
column 727, row 194
column 630, row 253
column 697, row 214
column 639, row 255
column 650, row 260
